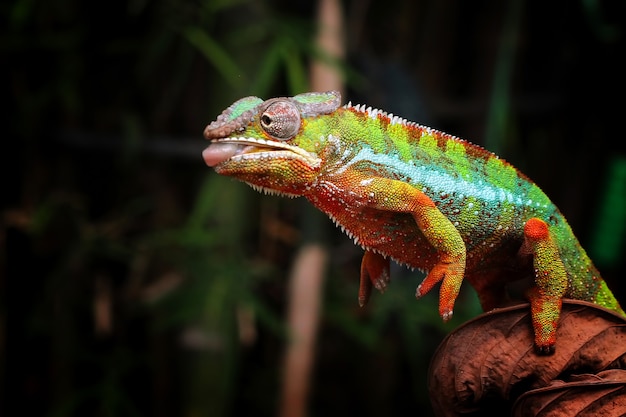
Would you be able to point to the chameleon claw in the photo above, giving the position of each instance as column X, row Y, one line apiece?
column 365, row 290
column 546, row 350
column 418, row 292
column 381, row 283
column 447, row 315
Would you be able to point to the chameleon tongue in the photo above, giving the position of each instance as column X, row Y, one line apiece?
column 219, row 152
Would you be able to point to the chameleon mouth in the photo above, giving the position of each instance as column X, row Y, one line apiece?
column 239, row 149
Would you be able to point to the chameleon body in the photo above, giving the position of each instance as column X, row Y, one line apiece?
column 413, row 194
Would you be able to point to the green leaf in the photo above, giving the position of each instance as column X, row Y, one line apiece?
column 214, row 53
column 296, row 71
column 610, row 232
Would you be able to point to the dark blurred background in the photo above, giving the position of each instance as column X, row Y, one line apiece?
column 136, row 282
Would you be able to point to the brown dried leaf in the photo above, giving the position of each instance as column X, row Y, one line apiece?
column 486, row 364
column 592, row 395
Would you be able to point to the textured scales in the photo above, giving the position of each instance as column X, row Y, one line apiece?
column 413, row 194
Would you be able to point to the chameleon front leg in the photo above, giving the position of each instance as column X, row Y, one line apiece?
column 550, row 283
column 374, row 270
column 398, row 196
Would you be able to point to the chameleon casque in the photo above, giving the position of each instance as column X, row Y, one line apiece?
column 413, row 194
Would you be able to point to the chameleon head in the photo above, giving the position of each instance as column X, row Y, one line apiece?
column 263, row 142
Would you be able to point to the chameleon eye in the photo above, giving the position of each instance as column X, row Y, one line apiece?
column 281, row 120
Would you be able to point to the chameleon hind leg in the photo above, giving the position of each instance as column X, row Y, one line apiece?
column 398, row 196
column 550, row 283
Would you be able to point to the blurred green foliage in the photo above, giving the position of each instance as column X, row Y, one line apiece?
column 138, row 283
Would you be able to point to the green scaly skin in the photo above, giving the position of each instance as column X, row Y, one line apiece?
column 415, row 195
